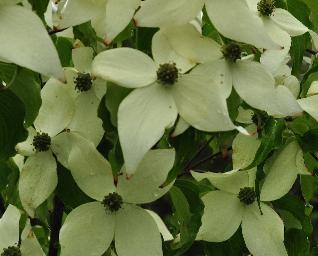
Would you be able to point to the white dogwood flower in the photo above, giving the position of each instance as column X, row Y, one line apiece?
column 90, row 228
column 163, row 91
column 23, row 29
column 234, row 204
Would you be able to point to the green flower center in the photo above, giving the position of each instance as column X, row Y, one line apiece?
column 232, row 52
column 266, row 7
column 247, row 195
column 41, row 142
column 11, row 251
column 83, row 82
column 167, row 74
column 112, row 202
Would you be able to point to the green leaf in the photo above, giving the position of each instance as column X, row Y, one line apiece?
column 12, row 115
column 297, row 243
column 114, row 96
column 309, row 141
column 86, row 34
column 271, row 139
column 302, row 124
column 309, row 77
column 309, row 187
column 6, row 168
column 39, row 6
column 313, row 7
column 8, row 72
column 27, row 88
column 64, row 48
column 68, row 191
column 297, row 51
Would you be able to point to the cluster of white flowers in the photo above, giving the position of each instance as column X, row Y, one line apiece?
column 186, row 82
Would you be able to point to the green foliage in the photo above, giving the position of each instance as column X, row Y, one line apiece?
column 12, row 116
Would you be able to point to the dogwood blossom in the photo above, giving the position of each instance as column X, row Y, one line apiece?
column 163, row 92
column 90, row 228
column 235, row 201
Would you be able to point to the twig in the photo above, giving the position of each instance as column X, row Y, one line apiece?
column 2, row 206
column 52, row 32
column 55, row 225
column 197, row 153
column 311, row 51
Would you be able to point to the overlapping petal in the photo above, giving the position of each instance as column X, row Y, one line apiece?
column 201, row 103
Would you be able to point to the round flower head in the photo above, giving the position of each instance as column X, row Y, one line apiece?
column 163, row 91
column 9, row 232
column 57, row 126
column 234, row 204
column 90, row 228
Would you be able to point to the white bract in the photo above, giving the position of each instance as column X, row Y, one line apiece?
column 90, row 228
column 145, row 113
column 57, row 128
column 108, row 17
column 244, row 148
column 235, row 204
column 224, row 64
column 282, row 170
column 9, row 233
column 26, row 42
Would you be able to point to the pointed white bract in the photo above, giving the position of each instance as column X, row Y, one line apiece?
column 27, row 42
